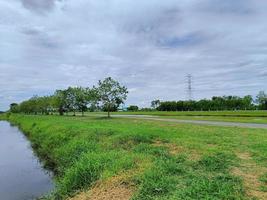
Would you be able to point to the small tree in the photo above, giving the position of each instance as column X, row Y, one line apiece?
column 261, row 99
column 155, row 104
column 14, row 108
column 111, row 93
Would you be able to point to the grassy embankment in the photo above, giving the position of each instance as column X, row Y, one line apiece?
column 226, row 116
column 145, row 160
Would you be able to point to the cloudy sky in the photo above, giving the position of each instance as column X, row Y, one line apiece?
column 149, row 46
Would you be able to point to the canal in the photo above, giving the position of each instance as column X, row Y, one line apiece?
column 22, row 176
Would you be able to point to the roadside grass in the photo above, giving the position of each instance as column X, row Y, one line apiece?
column 155, row 160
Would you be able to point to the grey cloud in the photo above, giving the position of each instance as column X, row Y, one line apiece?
column 264, row 73
column 243, row 7
column 40, row 37
column 186, row 40
column 39, row 5
column 32, row 31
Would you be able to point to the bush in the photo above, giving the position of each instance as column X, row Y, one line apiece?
column 133, row 108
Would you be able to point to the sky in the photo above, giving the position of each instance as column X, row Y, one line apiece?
column 148, row 46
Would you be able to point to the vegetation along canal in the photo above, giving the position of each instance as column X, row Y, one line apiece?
column 21, row 174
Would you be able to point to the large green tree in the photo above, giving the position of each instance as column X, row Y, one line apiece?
column 111, row 94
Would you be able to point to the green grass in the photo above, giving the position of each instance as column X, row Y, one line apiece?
column 166, row 160
column 3, row 116
column 238, row 113
column 263, row 180
column 259, row 117
column 256, row 120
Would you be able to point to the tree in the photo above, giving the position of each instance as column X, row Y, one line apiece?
column 60, row 101
column 216, row 103
column 248, row 102
column 92, row 98
column 155, row 104
column 110, row 93
column 75, row 99
column 261, row 99
column 133, row 108
column 14, row 108
column 83, row 97
column 71, row 99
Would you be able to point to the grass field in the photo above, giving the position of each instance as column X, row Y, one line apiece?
column 259, row 117
column 102, row 158
column 239, row 113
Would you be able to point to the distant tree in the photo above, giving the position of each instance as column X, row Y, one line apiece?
column 216, row 103
column 71, row 99
column 111, row 93
column 14, row 108
column 146, row 109
column 79, row 99
column 92, row 98
column 261, row 99
column 60, row 101
column 155, row 104
column 84, row 97
column 248, row 102
column 133, row 108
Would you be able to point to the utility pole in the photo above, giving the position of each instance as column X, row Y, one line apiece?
column 189, row 87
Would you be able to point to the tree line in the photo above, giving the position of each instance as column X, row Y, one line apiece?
column 214, row 104
column 108, row 95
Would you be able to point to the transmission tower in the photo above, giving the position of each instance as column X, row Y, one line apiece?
column 189, row 86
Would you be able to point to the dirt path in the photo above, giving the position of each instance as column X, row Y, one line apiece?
column 213, row 123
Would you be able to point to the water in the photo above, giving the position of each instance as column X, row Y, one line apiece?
column 21, row 174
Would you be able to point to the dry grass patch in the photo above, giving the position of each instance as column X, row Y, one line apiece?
column 250, row 172
column 175, row 149
column 116, row 188
column 245, row 156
